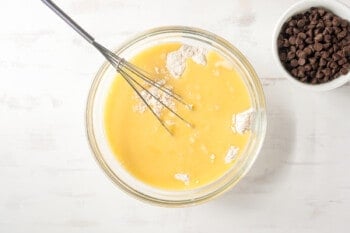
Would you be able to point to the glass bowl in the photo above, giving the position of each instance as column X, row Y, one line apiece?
column 95, row 118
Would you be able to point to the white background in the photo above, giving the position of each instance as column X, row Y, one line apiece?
column 49, row 181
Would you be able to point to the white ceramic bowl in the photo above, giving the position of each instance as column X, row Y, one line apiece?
column 337, row 8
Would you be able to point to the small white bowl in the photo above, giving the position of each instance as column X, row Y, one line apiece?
column 337, row 8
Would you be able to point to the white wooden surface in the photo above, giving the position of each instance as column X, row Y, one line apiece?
column 49, row 180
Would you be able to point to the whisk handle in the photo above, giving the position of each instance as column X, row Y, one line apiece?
column 69, row 20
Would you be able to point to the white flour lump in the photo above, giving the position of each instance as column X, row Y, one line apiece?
column 185, row 178
column 176, row 60
column 153, row 102
column 225, row 64
column 231, row 154
column 176, row 64
column 243, row 121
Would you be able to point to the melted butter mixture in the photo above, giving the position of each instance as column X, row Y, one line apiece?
column 191, row 156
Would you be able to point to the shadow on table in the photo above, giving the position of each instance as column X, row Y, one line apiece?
column 269, row 167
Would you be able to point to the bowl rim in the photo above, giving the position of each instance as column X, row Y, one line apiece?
column 292, row 10
column 94, row 145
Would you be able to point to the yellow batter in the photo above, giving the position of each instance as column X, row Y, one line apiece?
column 191, row 156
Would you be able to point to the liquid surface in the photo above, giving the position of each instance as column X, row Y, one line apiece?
column 191, row 156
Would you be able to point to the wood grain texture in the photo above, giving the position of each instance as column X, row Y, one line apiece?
column 50, row 181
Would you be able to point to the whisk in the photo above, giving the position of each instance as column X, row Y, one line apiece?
column 127, row 70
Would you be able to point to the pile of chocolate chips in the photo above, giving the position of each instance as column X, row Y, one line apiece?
column 314, row 46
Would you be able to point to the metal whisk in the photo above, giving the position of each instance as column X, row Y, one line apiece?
column 127, row 70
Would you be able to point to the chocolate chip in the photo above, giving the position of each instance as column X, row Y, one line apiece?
column 299, row 41
column 328, row 24
column 292, row 23
column 333, row 65
column 336, row 21
column 297, row 16
column 335, row 47
column 301, row 72
column 336, row 75
column 344, row 23
column 346, row 51
column 309, row 40
column 308, row 67
column 301, row 23
column 344, row 71
column 301, row 61
column 283, row 56
column 340, row 53
column 320, row 27
column 298, row 52
column 336, row 70
column 322, row 62
column 321, row 11
column 328, row 16
column 318, row 46
column 345, row 42
column 313, row 74
column 319, row 74
column 296, row 30
column 307, row 51
column 302, row 54
column 336, row 57
column 327, row 38
column 324, row 54
column 342, row 34
column 290, row 55
column 294, row 72
column 291, row 40
column 326, row 45
column 319, row 37
column 342, row 61
column 294, row 63
column 304, row 79
column 280, row 43
column 302, row 35
column 289, row 31
column 312, row 60
column 317, row 31
column 309, row 32
column 336, row 30
column 327, row 71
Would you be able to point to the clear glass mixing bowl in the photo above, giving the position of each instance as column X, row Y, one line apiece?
column 95, row 118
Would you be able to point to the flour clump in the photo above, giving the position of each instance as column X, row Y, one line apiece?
column 185, row 178
column 176, row 60
column 231, row 154
column 242, row 122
